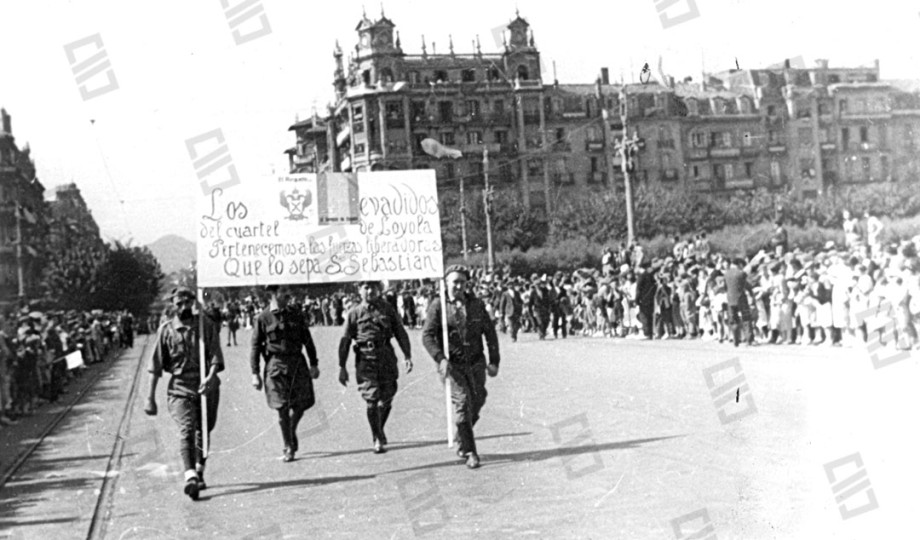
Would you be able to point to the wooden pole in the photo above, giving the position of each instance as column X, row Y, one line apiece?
column 202, row 369
column 444, row 335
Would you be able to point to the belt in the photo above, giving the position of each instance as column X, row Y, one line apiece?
column 372, row 345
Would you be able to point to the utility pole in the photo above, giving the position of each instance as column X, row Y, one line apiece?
column 19, row 273
column 487, row 205
column 463, row 220
column 624, row 147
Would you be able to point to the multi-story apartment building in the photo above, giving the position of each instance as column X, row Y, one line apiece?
column 23, row 227
column 781, row 128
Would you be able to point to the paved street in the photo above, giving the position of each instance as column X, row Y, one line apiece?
column 583, row 438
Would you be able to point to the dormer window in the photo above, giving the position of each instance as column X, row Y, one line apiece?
column 693, row 107
column 441, row 76
column 718, row 106
column 468, row 75
column 522, row 72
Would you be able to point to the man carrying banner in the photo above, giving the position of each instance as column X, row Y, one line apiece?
column 177, row 352
column 280, row 333
column 467, row 325
column 371, row 325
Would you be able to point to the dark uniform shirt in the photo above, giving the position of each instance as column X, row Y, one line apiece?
column 177, row 352
column 372, row 324
column 283, row 334
column 467, row 323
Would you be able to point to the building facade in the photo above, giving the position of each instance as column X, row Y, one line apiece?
column 782, row 128
column 23, row 224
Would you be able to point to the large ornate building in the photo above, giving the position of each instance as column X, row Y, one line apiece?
column 780, row 128
column 23, row 226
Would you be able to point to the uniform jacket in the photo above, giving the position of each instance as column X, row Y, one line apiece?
column 465, row 338
column 280, row 333
column 177, row 352
column 376, row 322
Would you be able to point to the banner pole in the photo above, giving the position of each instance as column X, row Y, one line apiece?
column 202, row 370
column 447, row 404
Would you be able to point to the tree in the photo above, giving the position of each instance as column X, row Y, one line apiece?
column 131, row 279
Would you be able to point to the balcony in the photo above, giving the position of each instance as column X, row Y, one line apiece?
column 561, row 146
column 725, row 152
column 830, row 147
column 594, row 146
column 596, row 177
column 574, row 114
column 698, row 153
column 739, row 183
column 776, row 148
column 750, row 150
column 564, row 178
column 669, row 175
column 478, row 148
column 531, row 118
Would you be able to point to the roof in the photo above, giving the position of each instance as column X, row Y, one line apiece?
column 690, row 90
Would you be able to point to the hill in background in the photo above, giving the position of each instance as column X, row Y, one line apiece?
column 173, row 252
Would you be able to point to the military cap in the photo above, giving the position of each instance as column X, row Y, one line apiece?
column 182, row 293
column 458, row 268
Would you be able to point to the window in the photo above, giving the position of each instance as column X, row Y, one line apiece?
column 446, row 108
column 833, row 79
column 357, row 113
column 718, row 171
column 359, row 148
column 726, row 139
column 822, row 109
column 522, row 72
column 845, row 138
column 419, row 137
column 468, row 75
column 749, row 169
column 866, row 168
column 498, row 106
column 666, row 161
column 472, row 107
column 474, row 137
column 418, row 111
column 719, row 106
column 394, row 111
column 729, row 171
column 560, row 134
column 699, row 139
column 449, row 171
column 535, row 168
column 592, row 134
column 882, row 135
column 386, row 76
column 776, row 172
column 773, row 137
column 715, row 138
column 745, row 105
column 594, row 165
column 885, row 170
column 447, row 137
column 807, row 167
column 864, row 134
column 494, row 74
column 501, row 136
column 366, row 77
column 771, row 110
column 746, row 139
column 441, row 76
column 842, row 104
column 413, row 77
column 693, row 108
column 696, row 171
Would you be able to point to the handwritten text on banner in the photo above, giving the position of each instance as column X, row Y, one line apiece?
column 307, row 228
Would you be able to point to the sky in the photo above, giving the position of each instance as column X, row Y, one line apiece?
column 180, row 74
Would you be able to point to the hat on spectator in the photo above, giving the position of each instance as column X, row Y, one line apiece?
column 182, row 293
column 459, row 269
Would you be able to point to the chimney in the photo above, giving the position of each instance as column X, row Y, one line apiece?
column 5, row 120
column 878, row 72
column 787, row 64
column 822, row 63
column 605, row 76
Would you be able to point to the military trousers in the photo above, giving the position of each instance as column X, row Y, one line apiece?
column 186, row 413
column 467, row 396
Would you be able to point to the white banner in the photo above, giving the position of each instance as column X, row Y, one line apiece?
column 74, row 360
column 328, row 228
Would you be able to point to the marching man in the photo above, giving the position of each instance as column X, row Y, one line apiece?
column 177, row 352
column 468, row 325
column 371, row 325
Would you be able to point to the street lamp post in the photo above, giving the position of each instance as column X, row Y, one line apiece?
column 487, row 206
column 463, row 220
column 626, row 147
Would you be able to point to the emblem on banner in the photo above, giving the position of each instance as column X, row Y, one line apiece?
column 296, row 203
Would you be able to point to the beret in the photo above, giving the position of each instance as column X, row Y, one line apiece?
column 457, row 268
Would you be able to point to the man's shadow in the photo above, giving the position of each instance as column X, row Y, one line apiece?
column 489, row 460
column 406, row 445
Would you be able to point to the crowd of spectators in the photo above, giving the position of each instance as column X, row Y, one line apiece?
column 34, row 347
